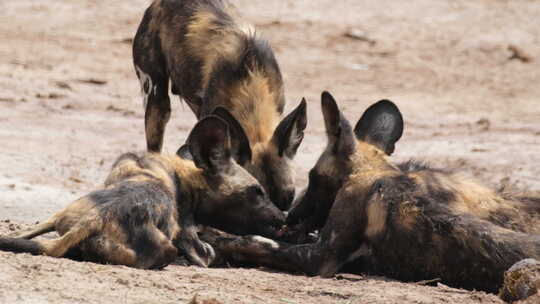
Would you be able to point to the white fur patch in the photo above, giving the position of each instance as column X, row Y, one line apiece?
column 146, row 82
column 264, row 240
column 247, row 29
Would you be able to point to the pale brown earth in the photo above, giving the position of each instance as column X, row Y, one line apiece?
column 70, row 104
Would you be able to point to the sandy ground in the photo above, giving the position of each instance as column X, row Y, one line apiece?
column 465, row 74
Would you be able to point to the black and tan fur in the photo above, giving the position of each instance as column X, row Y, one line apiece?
column 213, row 59
column 408, row 222
column 151, row 204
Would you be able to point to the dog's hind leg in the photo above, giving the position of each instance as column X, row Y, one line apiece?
column 61, row 221
column 84, row 228
column 55, row 247
column 41, row 228
column 90, row 224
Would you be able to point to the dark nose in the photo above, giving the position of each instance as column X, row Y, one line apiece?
column 274, row 217
column 283, row 201
column 280, row 219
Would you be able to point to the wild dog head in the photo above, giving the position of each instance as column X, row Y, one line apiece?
column 373, row 138
column 270, row 162
column 234, row 200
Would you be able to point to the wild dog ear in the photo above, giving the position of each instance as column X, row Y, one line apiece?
column 289, row 133
column 338, row 129
column 209, row 144
column 241, row 149
column 381, row 125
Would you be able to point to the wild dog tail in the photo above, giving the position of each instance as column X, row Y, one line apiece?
column 18, row 245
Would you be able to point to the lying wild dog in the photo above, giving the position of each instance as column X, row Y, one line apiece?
column 212, row 60
column 409, row 222
column 150, row 205
column 311, row 209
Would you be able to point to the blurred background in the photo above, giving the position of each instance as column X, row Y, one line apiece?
column 464, row 73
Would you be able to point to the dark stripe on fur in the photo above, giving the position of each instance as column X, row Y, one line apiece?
column 20, row 246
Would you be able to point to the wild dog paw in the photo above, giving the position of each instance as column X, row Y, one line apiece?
column 199, row 253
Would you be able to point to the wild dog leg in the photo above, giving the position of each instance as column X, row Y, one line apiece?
column 258, row 250
column 40, row 229
column 84, row 228
column 197, row 251
column 150, row 66
column 147, row 248
column 80, row 206
column 158, row 112
column 340, row 242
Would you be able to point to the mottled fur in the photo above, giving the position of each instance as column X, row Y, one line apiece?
column 214, row 59
column 150, row 206
column 131, row 221
column 408, row 222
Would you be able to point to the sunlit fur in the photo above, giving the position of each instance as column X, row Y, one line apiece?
column 407, row 221
column 212, row 58
column 146, row 211
column 132, row 221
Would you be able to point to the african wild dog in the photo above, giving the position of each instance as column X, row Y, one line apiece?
column 151, row 204
column 408, row 222
column 213, row 59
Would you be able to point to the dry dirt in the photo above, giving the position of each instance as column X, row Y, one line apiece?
column 464, row 72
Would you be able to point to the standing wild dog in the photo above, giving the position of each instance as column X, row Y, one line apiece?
column 151, row 204
column 213, row 59
column 409, row 222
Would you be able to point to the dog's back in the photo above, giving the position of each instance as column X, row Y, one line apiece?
column 204, row 47
column 440, row 224
column 214, row 61
column 465, row 195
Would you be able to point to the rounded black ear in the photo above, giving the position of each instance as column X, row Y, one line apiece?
column 338, row 129
column 209, row 144
column 380, row 125
column 290, row 132
column 241, row 149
